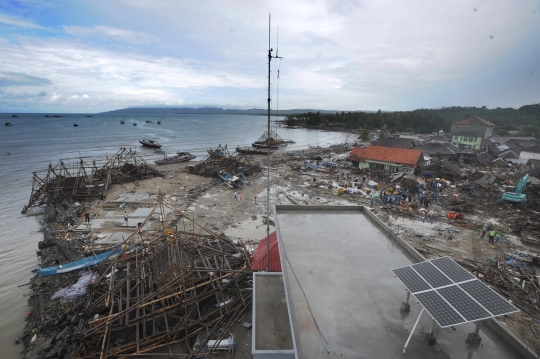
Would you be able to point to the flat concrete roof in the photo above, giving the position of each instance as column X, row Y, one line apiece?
column 272, row 327
column 343, row 263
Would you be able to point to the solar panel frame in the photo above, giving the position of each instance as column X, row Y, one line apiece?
column 457, row 299
column 460, row 301
column 452, row 270
column 411, row 279
column 488, row 298
column 439, row 309
column 432, row 274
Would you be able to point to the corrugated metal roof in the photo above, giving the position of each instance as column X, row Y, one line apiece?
column 259, row 255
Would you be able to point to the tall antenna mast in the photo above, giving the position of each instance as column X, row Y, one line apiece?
column 268, row 152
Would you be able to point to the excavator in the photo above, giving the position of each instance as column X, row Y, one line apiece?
column 517, row 196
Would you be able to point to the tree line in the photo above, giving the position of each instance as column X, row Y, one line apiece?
column 526, row 119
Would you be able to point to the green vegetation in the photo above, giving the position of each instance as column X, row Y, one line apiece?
column 425, row 120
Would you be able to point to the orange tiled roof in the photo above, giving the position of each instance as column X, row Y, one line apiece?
column 386, row 154
column 473, row 121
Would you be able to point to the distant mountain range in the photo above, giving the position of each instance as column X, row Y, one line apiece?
column 214, row 110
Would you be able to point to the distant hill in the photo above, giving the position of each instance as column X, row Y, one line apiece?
column 213, row 110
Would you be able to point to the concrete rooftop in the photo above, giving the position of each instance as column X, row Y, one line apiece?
column 343, row 263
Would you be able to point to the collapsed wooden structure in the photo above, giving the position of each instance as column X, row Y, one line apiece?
column 81, row 180
column 168, row 294
column 225, row 163
column 127, row 165
column 77, row 181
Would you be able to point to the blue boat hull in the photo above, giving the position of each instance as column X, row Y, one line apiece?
column 77, row 265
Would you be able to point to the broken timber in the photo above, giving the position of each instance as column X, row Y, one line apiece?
column 182, row 284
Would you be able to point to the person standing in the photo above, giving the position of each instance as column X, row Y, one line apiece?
column 483, row 233
column 87, row 217
column 255, row 199
column 126, row 218
column 234, row 194
column 491, row 235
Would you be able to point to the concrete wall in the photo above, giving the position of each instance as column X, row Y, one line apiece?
column 484, row 131
column 475, row 144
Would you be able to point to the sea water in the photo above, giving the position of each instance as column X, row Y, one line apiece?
column 35, row 141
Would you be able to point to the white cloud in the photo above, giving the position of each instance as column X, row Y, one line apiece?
column 10, row 20
column 101, row 31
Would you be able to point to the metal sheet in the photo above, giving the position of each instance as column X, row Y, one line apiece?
column 464, row 304
column 489, row 299
column 412, row 281
column 453, row 270
column 431, row 274
column 443, row 313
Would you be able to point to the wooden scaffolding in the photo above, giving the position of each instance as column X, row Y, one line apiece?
column 168, row 293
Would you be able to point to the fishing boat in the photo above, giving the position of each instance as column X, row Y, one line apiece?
column 135, row 124
column 159, row 121
column 148, row 121
column 233, row 181
column 75, row 125
column 263, row 145
column 80, row 264
column 8, row 124
column 179, row 157
column 14, row 116
column 123, row 120
column 254, row 151
column 150, row 143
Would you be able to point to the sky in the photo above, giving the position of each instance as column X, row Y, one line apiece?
column 94, row 56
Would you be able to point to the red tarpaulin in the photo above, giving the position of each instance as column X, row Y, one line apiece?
column 259, row 255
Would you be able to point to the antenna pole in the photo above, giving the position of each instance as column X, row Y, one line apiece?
column 268, row 152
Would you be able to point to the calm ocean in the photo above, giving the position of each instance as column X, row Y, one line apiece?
column 34, row 141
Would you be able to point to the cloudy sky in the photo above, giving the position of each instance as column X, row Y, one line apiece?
column 92, row 56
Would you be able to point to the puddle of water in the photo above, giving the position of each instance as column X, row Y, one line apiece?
column 253, row 230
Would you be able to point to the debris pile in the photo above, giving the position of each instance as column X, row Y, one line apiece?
column 222, row 161
column 182, row 285
column 126, row 166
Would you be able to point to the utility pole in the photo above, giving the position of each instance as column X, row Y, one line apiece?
column 270, row 57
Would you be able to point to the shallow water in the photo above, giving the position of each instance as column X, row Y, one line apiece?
column 35, row 141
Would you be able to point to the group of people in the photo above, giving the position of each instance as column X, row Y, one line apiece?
column 493, row 235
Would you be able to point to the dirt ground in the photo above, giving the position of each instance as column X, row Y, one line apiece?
column 213, row 205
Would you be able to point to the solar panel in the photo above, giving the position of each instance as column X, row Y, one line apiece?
column 439, row 309
column 431, row 274
column 411, row 279
column 450, row 294
column 453, row 270
column 463, row 303
column 490, row 300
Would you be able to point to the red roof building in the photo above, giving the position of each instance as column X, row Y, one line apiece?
column 259, row 255
column 386, row 158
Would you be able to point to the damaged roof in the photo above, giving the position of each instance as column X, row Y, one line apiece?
column 394, row 142
column 438, row 148
column 386, row 154
column 475, row 120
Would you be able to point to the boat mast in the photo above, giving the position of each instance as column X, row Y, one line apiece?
column 268, row 153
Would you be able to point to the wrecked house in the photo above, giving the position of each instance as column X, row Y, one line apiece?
column 445, row 169
column 387, row 159
column 394, row 142
column 440, row 151
column 171, row 290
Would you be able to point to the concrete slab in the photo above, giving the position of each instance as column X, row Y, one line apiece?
column 272, row 331
column 342, row 262
column 140, row 212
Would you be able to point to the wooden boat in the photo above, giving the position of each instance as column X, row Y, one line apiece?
column 148, row 121
column 254, row 151
column 122, row 122
column 179, row 157
column 215, row 153
column 8, row 124
column 263, row 145
column 233, row 181
column 149, row 143
column 83, row 263
column 135, row 124
column 75, row 125
column 14, row 116
column 159, row 121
